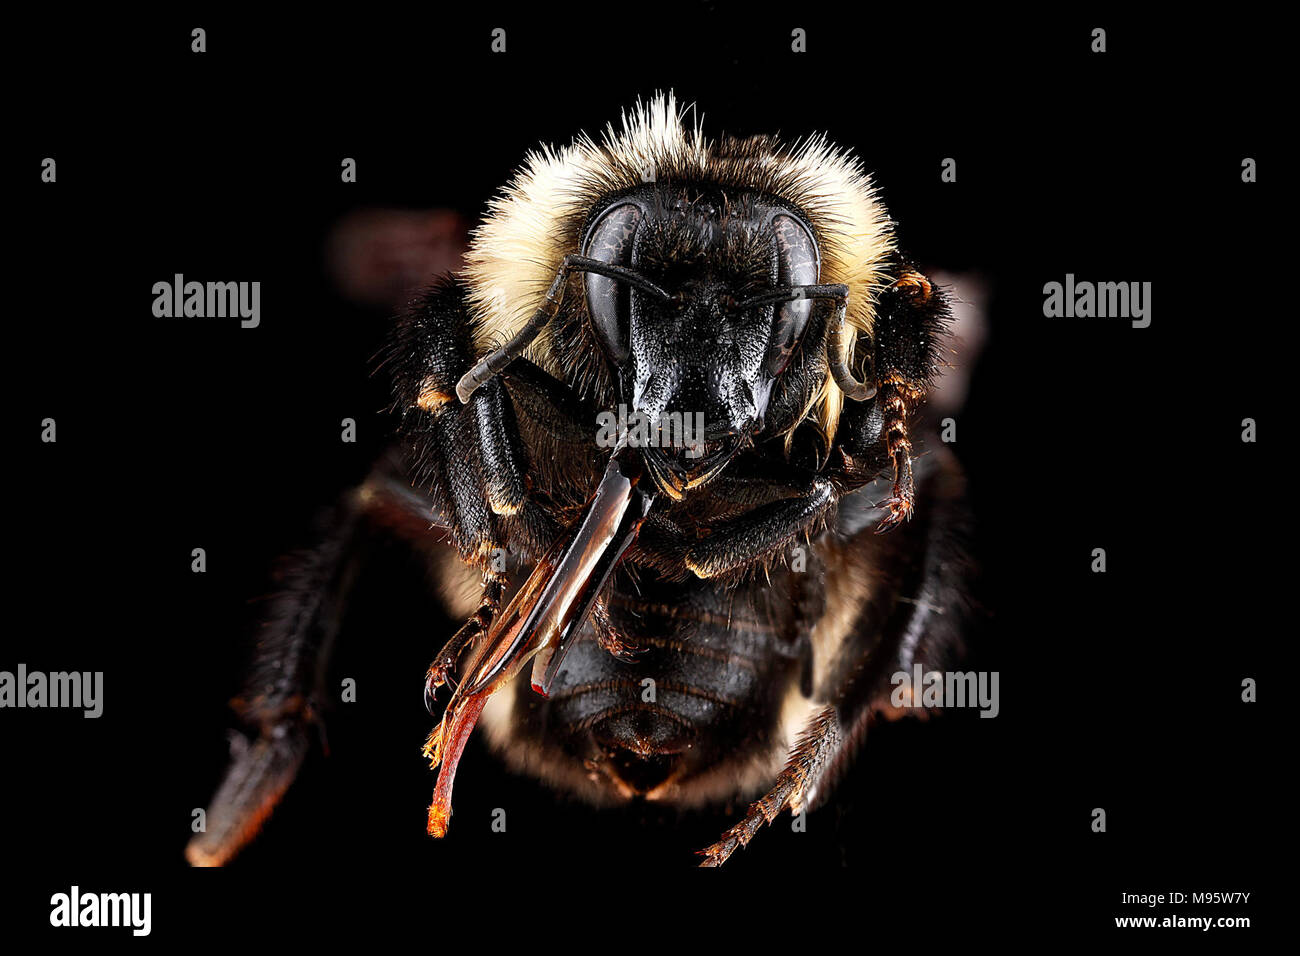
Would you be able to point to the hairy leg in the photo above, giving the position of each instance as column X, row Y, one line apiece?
column 282, row 694
column 913, row 613
column 911, row 320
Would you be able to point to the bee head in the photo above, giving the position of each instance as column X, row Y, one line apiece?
column 702, row 321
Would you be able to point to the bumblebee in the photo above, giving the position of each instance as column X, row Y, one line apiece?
column 707, row 620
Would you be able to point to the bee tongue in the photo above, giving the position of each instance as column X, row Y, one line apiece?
column 452, row 736
column 616, row 523
column 543, row 617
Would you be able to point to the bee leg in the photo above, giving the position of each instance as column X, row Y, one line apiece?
column 444, row 664
column 259, row 773
column 912, row 317
column 795, row 787
column 900, row 506
column 390, row 499
column 468, row 455
column 762, row 533
column 453, row 467
column 282, row 693
column 503, row 458
column 912, row 613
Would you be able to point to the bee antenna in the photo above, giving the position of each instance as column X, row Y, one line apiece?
column 835, row 356
column 493, row 363
column 858, row 391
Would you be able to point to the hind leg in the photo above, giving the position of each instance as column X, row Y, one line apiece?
column 284, row 692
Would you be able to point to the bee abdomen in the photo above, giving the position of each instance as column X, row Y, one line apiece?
column 699, row 684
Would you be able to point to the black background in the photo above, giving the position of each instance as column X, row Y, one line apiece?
column 1119, row 690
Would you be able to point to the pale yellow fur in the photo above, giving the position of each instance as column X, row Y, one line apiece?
column 533, row 223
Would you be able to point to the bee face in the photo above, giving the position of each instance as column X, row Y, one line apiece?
column 698, row 342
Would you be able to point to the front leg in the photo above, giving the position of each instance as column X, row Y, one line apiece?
column 447, row 660
column 468, row 456
column 760, row 536
column 911, row 320
column 468, row 453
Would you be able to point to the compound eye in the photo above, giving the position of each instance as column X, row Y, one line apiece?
column 610, row 241
column 797, row 264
